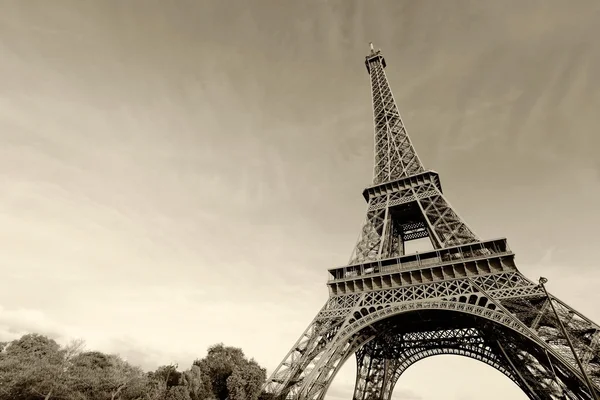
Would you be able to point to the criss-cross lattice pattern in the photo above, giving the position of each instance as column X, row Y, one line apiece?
column 395, row 156
column 466, row 297
column 381, row 361
column 537, row 314
column 429, row 208
column 541, row 370
column 333, row 335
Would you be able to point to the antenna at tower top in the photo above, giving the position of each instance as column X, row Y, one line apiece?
column 372, row 56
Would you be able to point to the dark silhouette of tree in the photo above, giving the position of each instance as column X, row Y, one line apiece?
column 198, row 383
column 167, row 375
column 231, row 374
column 35, row 367
column 95, row 375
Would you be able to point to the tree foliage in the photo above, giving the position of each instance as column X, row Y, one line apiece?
column 32, row 367
column 231, row 374
column 35, row 367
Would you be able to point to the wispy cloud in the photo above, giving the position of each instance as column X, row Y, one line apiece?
column 171, row 170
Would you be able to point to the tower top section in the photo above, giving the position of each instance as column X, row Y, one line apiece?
column 395, row 157
column 374, row 55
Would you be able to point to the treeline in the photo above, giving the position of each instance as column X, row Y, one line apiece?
column 35, row 367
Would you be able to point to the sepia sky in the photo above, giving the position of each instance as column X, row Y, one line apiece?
column 180, row 173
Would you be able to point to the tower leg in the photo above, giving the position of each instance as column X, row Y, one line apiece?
column 500, row 319
column 374, row 373
column 378, row 381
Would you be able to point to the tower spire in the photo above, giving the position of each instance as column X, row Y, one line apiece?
column 395, row 157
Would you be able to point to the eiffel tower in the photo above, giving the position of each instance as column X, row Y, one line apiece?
column 465, row 297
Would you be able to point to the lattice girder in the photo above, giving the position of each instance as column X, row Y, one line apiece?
column 464, row 291
column 395, row 156
column 296, row 364
column 371, row 376
column 569, row 372
column 498, row 315
column 507, row 298
column 501, row 350
column 394, row 352
column 583, row 333
column 426, row 205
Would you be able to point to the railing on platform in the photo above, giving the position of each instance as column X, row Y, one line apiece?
column 497, row 247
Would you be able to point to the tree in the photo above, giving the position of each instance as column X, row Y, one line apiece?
column 166, row 383
column 167, row 375
column 231, row 374
column 95, row 375
column 32, row 367
column 246, row 381
column 35, row 367
column 198, row 384
column 177, row 393
column 125, row 380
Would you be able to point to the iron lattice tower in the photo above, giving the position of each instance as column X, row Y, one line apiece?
column 465, row 297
